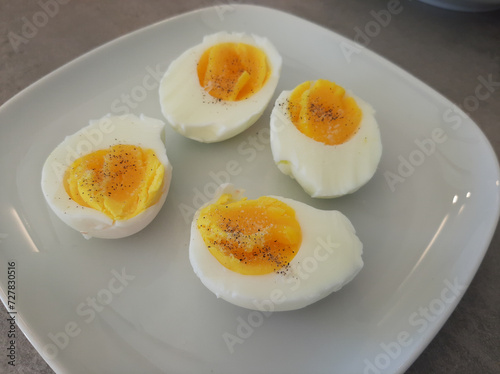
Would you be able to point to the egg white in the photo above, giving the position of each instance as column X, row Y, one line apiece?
column 197, row 115
column 325, row 171
column 101, row 134
column 329, row 258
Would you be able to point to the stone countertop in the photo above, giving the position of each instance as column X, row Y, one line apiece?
column 447, row 50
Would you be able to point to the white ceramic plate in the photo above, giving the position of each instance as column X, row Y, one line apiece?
column 135, row 306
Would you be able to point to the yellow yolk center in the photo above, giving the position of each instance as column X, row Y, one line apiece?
column 121, row 181
column 322, row 111
column 250, row 237
column 233, row 71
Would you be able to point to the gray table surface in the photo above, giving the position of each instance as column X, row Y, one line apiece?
column 447, row 50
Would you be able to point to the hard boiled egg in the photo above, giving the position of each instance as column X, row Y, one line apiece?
column 219, row 88
column 325, row 138
column 110, row 179
column 272, row 253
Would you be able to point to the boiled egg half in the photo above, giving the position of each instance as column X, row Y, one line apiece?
column 271, row 253
column 325, row 138
column 219, row 88
column 110, row 179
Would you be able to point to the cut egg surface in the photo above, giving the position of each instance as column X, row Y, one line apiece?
column 111, row 178
column 325, row 138
column 271, row 253
column 219, row 88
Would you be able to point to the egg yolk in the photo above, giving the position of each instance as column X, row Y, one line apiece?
column 233, row 71
column 121, row 181
column 322, row 111
column 250, row 237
